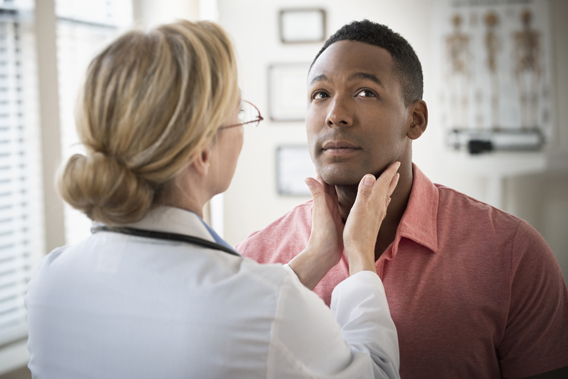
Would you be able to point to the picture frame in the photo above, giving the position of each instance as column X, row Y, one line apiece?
column 287, row 91
column 293, row 166
column 302, row 25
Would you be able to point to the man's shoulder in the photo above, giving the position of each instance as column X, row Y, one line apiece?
column 443, row 212
column 282, row 239
column 458, row 209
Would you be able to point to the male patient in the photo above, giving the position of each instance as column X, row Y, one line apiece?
column 474, row 292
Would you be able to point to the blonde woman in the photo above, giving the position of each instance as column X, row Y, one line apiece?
column 156, row 293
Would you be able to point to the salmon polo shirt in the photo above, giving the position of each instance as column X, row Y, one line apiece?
column 474, row 292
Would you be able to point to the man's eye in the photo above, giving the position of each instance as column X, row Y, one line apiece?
column 319, row 95
column 366, row 93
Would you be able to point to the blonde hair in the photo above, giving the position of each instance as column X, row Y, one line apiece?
column 150, row 102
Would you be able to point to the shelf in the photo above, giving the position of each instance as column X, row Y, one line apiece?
column 497, row 164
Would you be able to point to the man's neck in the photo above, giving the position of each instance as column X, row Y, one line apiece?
column 387, row 233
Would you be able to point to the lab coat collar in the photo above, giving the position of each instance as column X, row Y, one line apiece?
column 163, row 218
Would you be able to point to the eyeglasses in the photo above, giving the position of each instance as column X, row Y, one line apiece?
column 249, row 114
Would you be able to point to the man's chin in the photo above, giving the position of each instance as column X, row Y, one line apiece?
column 340, row 177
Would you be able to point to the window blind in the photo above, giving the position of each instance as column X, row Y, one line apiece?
column 83, row 29
column 21, row 207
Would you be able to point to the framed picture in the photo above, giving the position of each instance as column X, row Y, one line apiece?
column 293, row 165
column 287, row 91
column 302, row 25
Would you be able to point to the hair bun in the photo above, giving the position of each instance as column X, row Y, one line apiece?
column 105, row 189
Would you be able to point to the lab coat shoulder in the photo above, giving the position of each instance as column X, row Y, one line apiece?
column 270, row 275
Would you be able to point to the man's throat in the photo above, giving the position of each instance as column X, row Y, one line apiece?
column 346, row 196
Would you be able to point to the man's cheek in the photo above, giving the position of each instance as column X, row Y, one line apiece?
column 313, row 152
column 320, row 167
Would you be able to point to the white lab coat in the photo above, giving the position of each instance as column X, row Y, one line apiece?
column 117, row 306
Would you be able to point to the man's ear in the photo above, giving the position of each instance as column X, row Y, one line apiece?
column 419, row 113
column 202, row 161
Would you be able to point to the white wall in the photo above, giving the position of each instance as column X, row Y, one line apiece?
column 252, row 200
column 149, row 13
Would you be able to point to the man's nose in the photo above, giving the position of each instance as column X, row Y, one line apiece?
column 340, row 114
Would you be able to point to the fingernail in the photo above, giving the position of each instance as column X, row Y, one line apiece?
column 369, row 180
column 397, row 165
column 309, row 183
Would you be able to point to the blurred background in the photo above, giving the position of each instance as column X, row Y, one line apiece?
column 496, row 83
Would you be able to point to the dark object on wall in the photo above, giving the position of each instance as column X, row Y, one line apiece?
column 482, row 141
column 475, row 146
column 302, row 25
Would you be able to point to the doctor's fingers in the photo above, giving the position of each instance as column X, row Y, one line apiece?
column 385, row 185
column 328, row 188
column 373, row 192
column 316, row 188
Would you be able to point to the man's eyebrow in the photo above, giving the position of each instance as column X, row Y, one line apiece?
column 318, row 78
column 364, row 75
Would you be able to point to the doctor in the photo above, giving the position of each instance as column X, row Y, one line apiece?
column 154, row 292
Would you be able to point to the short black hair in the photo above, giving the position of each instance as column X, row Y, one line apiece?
column 406, row 65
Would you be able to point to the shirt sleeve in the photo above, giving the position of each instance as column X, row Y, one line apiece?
column 536, row 335
column 356, row 339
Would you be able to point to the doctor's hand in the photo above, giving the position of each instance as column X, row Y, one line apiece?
column 325, row 245
column 365, row 218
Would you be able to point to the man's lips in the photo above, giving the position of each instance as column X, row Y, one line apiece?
column 339, row 147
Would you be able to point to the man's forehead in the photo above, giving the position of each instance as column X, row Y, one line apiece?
column 347, row 58
column 352, row 77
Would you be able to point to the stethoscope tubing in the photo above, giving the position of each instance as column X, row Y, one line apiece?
column 166, row 236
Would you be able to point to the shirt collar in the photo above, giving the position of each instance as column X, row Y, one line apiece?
column 420, row 219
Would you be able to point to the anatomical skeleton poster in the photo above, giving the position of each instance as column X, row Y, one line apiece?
column 494, row 66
